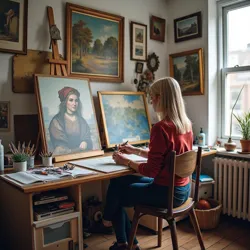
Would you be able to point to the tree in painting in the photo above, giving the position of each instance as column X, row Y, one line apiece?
column 94, row 45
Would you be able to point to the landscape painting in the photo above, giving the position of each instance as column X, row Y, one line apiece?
column 95, row 44
column 125, row 117
column 67, row 117
column 187, row 27
column 187, row 69
column 13, row 26
column 138, row 41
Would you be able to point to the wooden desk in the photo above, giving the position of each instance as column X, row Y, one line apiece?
column 16, row 206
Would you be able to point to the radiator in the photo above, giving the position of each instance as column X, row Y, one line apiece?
column 232, row 186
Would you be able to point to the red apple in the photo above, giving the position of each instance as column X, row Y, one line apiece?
column 203, row 204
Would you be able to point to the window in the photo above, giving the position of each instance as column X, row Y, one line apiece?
column 235, row 61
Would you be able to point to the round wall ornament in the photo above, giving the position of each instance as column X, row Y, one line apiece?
column 153, row 62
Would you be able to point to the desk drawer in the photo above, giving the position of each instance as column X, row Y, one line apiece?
column 63, row 235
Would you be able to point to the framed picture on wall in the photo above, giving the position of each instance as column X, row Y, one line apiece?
column 95, row 44
column 139, row 67
column 188, row 69
column 67, row 117
column 125, row 117
column 138, row 41
column 188, row 27
column 13, row 26
column 157, row 28
column 4, row 116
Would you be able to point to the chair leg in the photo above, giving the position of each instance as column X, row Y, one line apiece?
column 133, row 229
column 196, row 228
column 172, row 226
column 159, row 231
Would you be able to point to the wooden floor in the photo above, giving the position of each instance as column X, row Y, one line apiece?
column 231, row 234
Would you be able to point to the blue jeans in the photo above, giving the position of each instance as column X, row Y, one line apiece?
column 131, row 190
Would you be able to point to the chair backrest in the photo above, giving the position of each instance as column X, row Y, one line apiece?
column 184, row 165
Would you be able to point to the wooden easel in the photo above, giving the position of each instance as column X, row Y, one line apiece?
column 57, row 65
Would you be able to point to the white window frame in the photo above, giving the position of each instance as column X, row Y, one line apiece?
column 223, row 7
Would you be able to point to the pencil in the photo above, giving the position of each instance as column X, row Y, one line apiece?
column 125, row 143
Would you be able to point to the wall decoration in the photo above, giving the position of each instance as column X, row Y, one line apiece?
column 157, row 28
column 13, row 26
column 139, row 67
column 125, row 117
column 187, row 68
column 138, row 41
column 67, row 117
column 153, row 63
column 95, row 44
column 188, row 27
column 4, row 116
column 36, row 62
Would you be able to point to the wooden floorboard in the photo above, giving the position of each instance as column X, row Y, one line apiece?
column 231, row 234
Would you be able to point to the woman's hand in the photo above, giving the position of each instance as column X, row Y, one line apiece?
column 127, row 149
column 83, row 145
column 120, row 159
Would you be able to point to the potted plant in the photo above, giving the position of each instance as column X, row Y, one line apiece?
column 244, row 124
column 19, row 157
column 230, row 145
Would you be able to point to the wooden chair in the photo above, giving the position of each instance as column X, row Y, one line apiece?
column 181, row 165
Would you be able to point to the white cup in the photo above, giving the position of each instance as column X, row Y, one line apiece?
column 47, row 161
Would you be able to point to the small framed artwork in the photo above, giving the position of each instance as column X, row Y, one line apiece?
column 95, row 44
column 188, row 69
column 4, row 116
column 157, row 28
column 67, row 117
column 125, row 117
column 138, row 41
column 13, row 26
column 188, row 27
column 139, row 67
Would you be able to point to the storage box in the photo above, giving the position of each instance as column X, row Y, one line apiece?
column 205, row 189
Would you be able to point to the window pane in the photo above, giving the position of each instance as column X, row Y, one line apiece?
column 234, row 83
column 238, row 37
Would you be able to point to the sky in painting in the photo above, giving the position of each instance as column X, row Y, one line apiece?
column 101, row 28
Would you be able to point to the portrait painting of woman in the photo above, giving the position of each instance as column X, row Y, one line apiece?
column 67, row 115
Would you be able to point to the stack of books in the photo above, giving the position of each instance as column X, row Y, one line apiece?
column 51, row 204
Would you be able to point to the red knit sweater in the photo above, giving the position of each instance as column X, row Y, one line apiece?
column 164, row 139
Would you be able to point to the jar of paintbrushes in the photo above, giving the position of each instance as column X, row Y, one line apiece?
column 30, row 151
column 46, row 158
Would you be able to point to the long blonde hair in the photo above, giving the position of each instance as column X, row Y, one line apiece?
column 171, row 103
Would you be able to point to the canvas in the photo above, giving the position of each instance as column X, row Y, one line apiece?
column 125, row 117
column 187, row 68
column 95, row 44
column 67, row 117
column 13, row 26
column 157, row 28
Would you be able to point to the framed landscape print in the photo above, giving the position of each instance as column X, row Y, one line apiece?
column 4, row 116
column 13, row 26
column 188, row 69
column 125, row 117
column 187, row 27
column 95, row 44
column 138, row 41
column 157, row 28
column 67, row 117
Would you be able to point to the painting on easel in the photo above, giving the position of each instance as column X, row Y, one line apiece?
column 67, row 117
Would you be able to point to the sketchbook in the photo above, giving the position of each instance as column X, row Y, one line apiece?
column 106, row 164
column 27, row 177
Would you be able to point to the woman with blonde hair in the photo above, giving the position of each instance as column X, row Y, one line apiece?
column 172, row 132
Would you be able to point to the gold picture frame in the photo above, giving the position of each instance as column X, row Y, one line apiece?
column 125, row 117
column 188, row 69
column 66, row 136
column 106, row 61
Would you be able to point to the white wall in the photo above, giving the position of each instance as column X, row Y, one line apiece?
column 198, row 107
column 38, row 38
